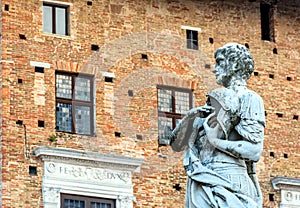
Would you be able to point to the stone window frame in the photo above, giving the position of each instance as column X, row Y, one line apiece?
column 173, row 115
column 60, row 175
column 75, row 102
column 54, row 5
column 289, row 191
column 87, row 200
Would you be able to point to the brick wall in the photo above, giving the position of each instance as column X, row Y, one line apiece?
column 124, row 30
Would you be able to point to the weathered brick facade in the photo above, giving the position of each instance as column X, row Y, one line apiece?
column 124, row 30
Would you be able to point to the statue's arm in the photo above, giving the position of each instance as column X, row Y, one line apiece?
column 183, row 131
column 239, row 149
column 250, row 129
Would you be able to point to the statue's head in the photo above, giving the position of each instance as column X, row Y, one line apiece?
column 233, row 60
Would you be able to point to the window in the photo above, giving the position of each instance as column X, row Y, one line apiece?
column 267, row 21
column 192, row 39
column 173, row 104
column 74, row 103
column 75, row 201
column 55, row 19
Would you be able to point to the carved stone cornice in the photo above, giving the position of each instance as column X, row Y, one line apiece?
column 83, row 157
column 281, row 182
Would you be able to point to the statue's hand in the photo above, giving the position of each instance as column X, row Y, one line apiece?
column 202, row 111
column 212, row 128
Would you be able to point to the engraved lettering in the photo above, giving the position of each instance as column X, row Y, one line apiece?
column 87, row 173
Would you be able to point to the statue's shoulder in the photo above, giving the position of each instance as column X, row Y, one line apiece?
column 252, row 105
column 249, row 96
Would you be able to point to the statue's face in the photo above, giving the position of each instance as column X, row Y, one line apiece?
column 222, row 70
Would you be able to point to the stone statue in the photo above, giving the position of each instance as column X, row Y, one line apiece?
column 223, row 139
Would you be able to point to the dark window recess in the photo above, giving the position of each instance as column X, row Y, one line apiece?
column 19, row 122
column 74, row 103
column 72, row 201
column 271, row 76
column 144, row 56
column 255, row 74
column 295, row 117
column 267, row 21
column 177, row 187
column 41, row 123
column 22, row 36
column 211, row 40
column 39, row 69
column 130, row 93
column 95, row 47
column 247, row 45
column 55, row 19
column 272, row 154
column 285, row 155
column 89, row 3
column 192, row 39
column 32, row 170
column 109, row 79
column 289, row 78
column 117, row 134
column 207, row 66
column 6, row 7
column 266, row 113
column 173, row 103
column 271, row 197
column 280, row 115
column 20, row 81
column 139, row 137
column 275, row 51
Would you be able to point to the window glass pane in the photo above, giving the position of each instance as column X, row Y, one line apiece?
column 71, row 203
column 82, row 89
column 100, row 205
column 64, row 117
column 195, row 44
column 188, row 34
column 164, row 127
column 63, row 86
column 60, row 20
column 165, row 100
column 182, row 102
column 83, row 119
column 47, row 19
column 195, row 35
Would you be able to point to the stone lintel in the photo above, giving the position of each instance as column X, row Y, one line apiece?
column 47, row 153
column 281, row 182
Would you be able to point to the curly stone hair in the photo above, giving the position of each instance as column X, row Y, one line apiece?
column 239, row 57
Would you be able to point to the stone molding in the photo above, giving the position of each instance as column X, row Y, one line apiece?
column 93, row 158
column 281, row 182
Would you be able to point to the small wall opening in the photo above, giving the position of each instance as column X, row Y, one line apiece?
column 94, row 47
column 271, row 197
column 32, row 170
column 109, row 79
column 117, row 134
column 22, row 36
column 41, row 123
